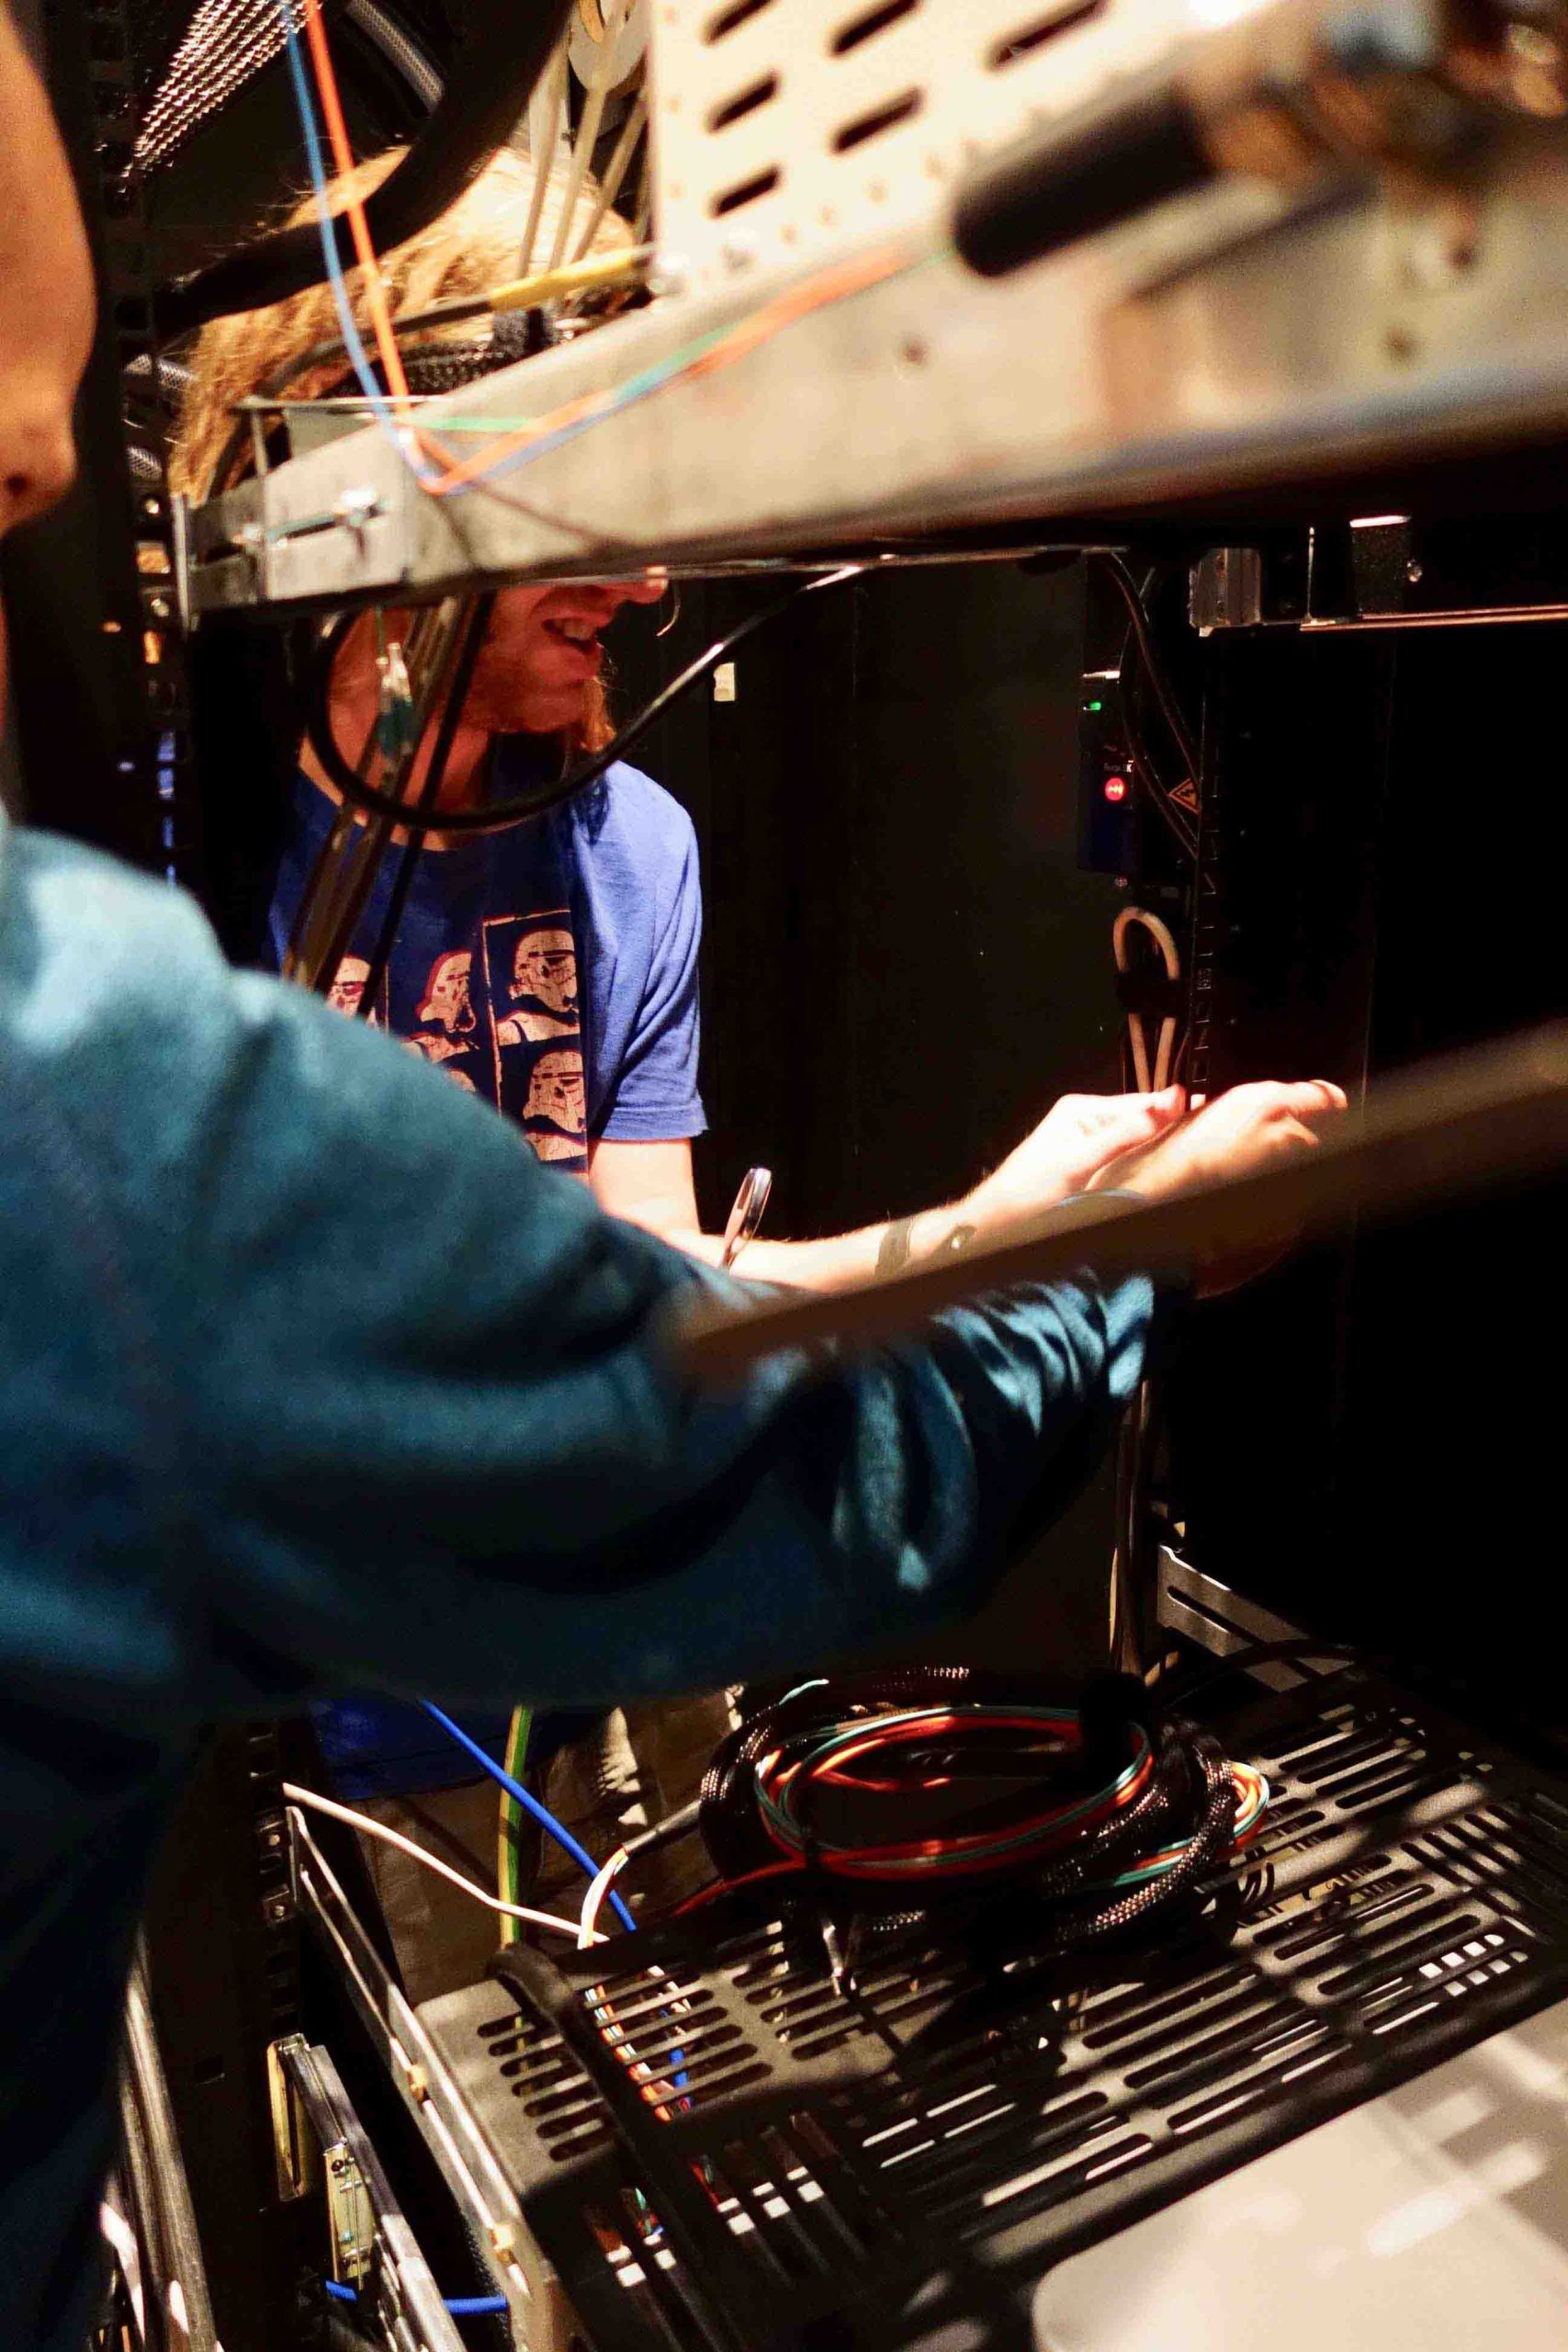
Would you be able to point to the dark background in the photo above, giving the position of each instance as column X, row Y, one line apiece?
column 903, row 963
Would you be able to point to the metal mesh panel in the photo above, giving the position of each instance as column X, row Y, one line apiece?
column 223, row 44
column 977, row 2108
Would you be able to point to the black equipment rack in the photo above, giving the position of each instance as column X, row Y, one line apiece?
column 899, row 2164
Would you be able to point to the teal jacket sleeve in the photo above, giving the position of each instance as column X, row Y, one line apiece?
column 414, row 1422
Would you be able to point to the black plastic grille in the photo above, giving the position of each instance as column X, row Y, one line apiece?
column 924, row 2151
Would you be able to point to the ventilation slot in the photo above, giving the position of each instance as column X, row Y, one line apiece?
column 873, row 125
column 731, row 19
column 869, row 23
column 744, row 102
column 1034, row 36
column 759, row 184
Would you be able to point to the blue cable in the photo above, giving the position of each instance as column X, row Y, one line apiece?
column 529, row 1803
column 460, row 2306
column 546, row 1821
column 327, row 231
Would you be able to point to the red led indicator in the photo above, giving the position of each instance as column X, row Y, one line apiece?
column 1116, row 787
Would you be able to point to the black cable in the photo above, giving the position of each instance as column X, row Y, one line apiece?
column 1144, row 766
column 1191, row 1799
column 517, row 810
column 505, row 47
column 404, row 55
column 1126, row 587
column 474, row 629
column 1199, row 1750
column 727, row 1812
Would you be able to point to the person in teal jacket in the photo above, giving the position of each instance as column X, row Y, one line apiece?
column 312, row 1378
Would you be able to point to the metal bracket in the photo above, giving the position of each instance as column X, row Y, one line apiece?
column 542, row 2319
column 1226, row 590
column 350, row 2213
column 291, row 2140
column 373, row 2248
column 1222, row 1622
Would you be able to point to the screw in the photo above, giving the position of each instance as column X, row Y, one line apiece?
column 357, row 507
column 1413, row 572
column 669, row 274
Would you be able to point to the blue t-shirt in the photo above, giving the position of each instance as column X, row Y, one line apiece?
column 551, row 969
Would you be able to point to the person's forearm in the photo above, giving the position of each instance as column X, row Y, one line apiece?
column 838, row 1261
column 651, row 1184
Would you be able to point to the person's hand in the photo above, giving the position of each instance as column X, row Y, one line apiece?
column 1078, row 1137
column 1250, row 1128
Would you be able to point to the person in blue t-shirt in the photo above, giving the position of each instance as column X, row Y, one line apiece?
column 552, row 970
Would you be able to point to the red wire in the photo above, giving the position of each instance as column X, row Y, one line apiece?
column 343, row 157
column 909, row 1733
column 727, row 1885
column 1022, row 1836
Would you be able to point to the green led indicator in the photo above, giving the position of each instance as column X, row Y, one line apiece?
column 1097, row 705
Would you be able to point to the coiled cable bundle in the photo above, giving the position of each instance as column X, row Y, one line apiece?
column 889, row 1792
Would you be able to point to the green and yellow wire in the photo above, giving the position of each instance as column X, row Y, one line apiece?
column 509, row 1828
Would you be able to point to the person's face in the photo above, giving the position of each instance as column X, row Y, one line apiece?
column 46, row 297
column 543, row 652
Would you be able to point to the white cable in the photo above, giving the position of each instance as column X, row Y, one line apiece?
column 587, row 137
column 546, row 110
column 374, row 1828
column 615, row 172
column 593, row 1899
column 1149, row 1081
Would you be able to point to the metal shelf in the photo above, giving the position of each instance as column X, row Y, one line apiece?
column 1219, row 352
column 916, row 2155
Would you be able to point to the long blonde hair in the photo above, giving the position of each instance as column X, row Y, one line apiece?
column 475, row 245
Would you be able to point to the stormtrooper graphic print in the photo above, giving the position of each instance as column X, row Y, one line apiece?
column 530, row 990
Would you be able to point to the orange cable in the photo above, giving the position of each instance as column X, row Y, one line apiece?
column 343, row 157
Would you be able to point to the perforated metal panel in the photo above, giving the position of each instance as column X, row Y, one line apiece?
column 783, row 127
column 977, row 2108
